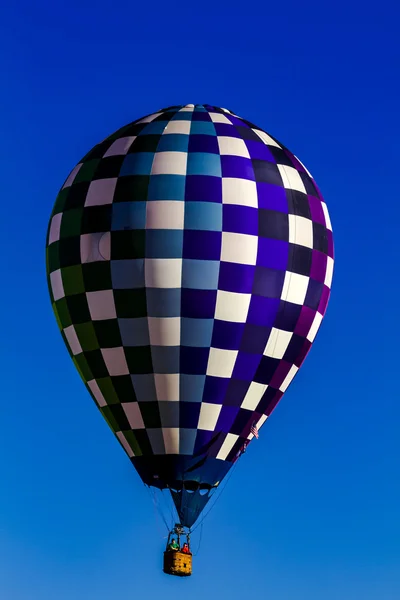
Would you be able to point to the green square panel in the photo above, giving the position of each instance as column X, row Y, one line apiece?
column 53, row 257
column 144, row 442
column 107, row 389
column 130, row 304
column 87, row 170
column 139, row 359
column 109, row 417
column 60, row 307
column 71, row 222
column 151, row 414
column 60, row 201
column 72, row 278
column 83, row 367
column 132, row 441
column 96, row 364
column 131, row 188
column 97, row 276
column 87, row 336
column 146, row 143
column 124, row 388
column 78, row 309
column 128, row 244
column 107, row 333
column 119, row 415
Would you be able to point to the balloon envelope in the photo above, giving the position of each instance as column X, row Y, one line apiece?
column 189, row 259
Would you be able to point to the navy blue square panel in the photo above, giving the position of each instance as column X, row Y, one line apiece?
column 193, row 361
column 236, row 391
column 198, row 304
column 203, row 188
column 215, row 389
column 254, row 338
column 227, row 335
column 189, row 413
column 234, row 277
column 203, row 143
column 268, row 282
column 202, row 245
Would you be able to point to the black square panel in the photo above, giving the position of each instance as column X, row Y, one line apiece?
column 266, row 172
column 298, row 204
column 273, row 224
column 300, row 259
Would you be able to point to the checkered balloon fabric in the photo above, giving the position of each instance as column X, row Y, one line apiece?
column 190, row 259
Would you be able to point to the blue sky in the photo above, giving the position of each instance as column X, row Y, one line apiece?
column 312, row 510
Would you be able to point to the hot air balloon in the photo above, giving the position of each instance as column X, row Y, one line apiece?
column 189, row 261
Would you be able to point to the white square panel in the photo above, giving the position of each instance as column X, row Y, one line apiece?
column 167, row 386
column 171, row 439
column 314, row 327
column 133, row 414
column 295, row 288
column 254, row 395
column 239, row 191
column 329, row 272
column 163, row 272
column 169, row 163
column 115, row 361
column 178, row 127
column 232, row 146
column 232, row 306
column 291, row 178
column 165, row 214
column 278, row 342
column 239, row 248
column 261, row 422
column 72, row 340
column 54, row 233
column 149, row 118
column 95, row 247
column 101, row 191
column 121, row 146
column 94, row 388
column 57, row 285
column 164, row 331
column 209, row 414
column 124, row 444
column 327, row 217
column 300, row 231
column 286, row 382
column 227, row 446
column 219, row 118
column 221, row 362
column 101, row 305
column 266, row 138
column 71, row 177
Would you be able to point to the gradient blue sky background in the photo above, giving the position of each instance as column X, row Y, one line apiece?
column 312, row 511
